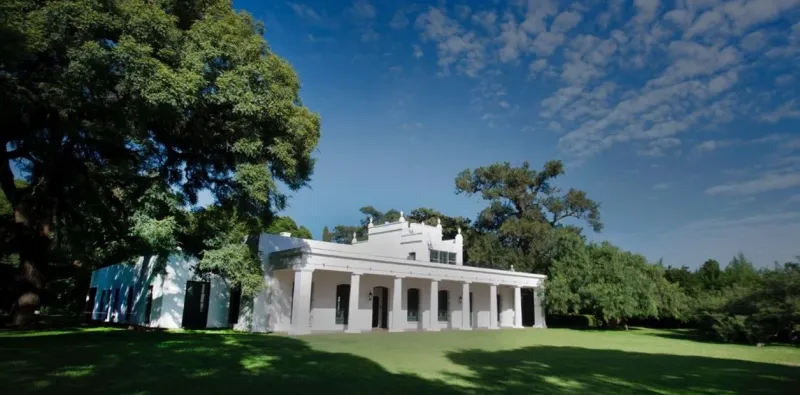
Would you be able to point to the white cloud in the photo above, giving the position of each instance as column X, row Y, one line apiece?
column 305, row 11
column 538, row 65
column 463, row 11
column 786, row 110
column 565, row 21
column 794, row 199
column 399, row 20
column 691, row 60
column 646, row 11
column 369, row 34
column 537, row 12
column 455, row 47
column 748, row 13
column 712, row 145
column 555, row 127
column 784, row 79
column 723, row 82
column 546, row 43
column 411, row 126
column 513, row 40
column 485, row 19
column 766, row 183
column 680, row 17
column 754, row 42
column 417, row 51
column 662, row 186
column 708, row 21
column 362, row 9
column 701, row 54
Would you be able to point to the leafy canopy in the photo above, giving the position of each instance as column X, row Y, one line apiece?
column 119, row 113
column 525, row 208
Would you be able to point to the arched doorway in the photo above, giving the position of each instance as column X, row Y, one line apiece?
column 380, row 307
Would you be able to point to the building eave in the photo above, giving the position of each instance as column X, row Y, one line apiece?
column 367, row 263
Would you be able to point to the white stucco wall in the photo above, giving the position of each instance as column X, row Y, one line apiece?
column 128, row 278
column 275, row 309
column 169, row 291
column 282, row 306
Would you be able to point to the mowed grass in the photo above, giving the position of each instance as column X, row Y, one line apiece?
column 552, row 361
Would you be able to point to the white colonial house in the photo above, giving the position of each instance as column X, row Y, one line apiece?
column 404, row 277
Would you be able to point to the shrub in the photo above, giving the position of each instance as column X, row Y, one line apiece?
column 571, row 321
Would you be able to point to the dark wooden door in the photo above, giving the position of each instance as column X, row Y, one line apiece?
column 195, row 305
column 376, row 307
column 385, row 309
column 470, row 310
column 527, row 307
column 499, row 308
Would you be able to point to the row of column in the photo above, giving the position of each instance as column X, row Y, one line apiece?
column 302, row 299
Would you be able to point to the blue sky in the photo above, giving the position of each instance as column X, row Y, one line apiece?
column 682, row 118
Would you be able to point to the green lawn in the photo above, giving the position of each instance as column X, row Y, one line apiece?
column 552, row 361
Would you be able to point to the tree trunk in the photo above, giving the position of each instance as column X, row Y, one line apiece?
column 30, row 284
column 34, row 246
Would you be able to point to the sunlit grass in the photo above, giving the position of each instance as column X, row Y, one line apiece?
column 553, row 361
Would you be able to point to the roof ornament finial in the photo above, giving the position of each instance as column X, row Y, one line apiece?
column 459, row 238
column 370, row 222
column 402, row 219
column 439, row 223
column 355, row 240
column 512, row 268
column 459, row 230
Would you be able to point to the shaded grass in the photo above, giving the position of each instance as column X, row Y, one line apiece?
column 553, row 361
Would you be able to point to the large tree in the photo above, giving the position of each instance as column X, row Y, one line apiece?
column 118, row 113
column 525, row 208
column 611, row 284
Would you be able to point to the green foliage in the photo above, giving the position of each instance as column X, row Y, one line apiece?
column 120, row 113
column 739, row 272
column 525, row 210
column 742, row 304
column 571, row 321
column 450, row 225
column 344, row 234
column 287, row 224
column 608, row 283
column 326, row 234
column 710, row 275
column 686, row 279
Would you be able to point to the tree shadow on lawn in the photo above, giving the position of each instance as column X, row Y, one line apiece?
column 569, row 370
column 126, row 362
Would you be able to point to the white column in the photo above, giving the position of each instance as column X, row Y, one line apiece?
column 465, row 324
column 493, row 324
column 301, row 301
column 538, row 311
column 398, row 321
column 433, row 322
column 517, row 307
column 353, row 324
